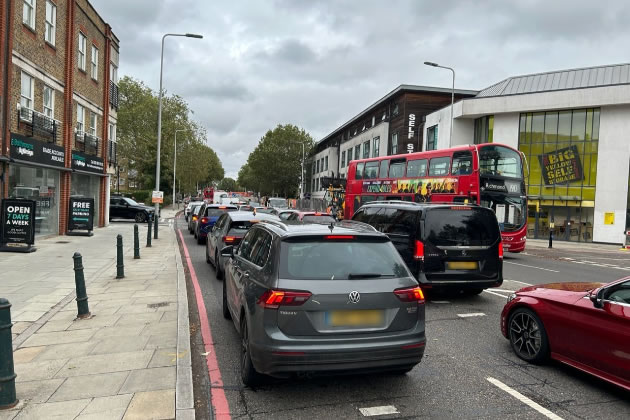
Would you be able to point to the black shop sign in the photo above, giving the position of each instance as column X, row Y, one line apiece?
column 87, row 163
column 30, row 150
column 18, row 225
column 562, row 166
column 81, row 216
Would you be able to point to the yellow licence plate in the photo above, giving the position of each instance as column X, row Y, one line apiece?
column 364, row 318
column 461, row 265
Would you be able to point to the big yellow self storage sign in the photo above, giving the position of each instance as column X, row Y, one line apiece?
column 561, row 166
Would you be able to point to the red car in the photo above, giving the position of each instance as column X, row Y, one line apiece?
column 585, row 325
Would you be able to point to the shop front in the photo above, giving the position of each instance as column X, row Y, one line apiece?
column 561, row 149
column 86, row 178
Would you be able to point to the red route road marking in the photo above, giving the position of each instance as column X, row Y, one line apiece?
column 219, row 401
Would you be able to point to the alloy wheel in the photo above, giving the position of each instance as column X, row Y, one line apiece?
column 525, row 335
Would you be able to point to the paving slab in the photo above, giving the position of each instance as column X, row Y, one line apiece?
column 26, row 354
column 122, row 344
column 104, row 363
column 151, row 405
column 37, row 391
column 90, row 386
column 60, row 337
column 34, row 371
column 119, row 331
column 164, row 357
column 56, row 410
column 66, row 351
column 150, row 380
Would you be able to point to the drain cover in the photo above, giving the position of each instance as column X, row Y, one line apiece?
column 158, row 305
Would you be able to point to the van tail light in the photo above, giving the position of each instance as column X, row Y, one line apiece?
column 418, row 253
column 501, row 250
column 204, row 220
column 272, row 299
column 412, row 294
column 229, row 239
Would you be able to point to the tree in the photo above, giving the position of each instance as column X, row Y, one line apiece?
column 137, row 139
column 227, row 184
column 275, row 164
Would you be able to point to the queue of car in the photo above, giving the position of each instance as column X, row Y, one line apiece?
column 308, row 294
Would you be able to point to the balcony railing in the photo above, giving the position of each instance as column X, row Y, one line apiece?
column 113, row 94
column 40, row 125
column 86, row 143
column 112, row 153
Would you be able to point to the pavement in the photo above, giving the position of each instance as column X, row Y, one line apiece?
column 130, row 359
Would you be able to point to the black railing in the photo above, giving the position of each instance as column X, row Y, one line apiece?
column 86, row 143
column 112, row 153
column 113, row 94
column 41, row 125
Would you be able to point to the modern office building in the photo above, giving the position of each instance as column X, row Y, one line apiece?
column 58, row 103
column 573, row 127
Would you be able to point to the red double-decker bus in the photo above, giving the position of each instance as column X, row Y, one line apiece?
column 490, row 175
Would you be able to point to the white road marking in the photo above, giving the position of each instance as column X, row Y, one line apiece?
column 521, row 282
column 494, row 289
column 471, row 314
column 532, row 266
column 496, row 294
column 439, row 301
column 522, row 398
column 378, row 411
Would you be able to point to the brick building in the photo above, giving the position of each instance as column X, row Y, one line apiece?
column 58, row 103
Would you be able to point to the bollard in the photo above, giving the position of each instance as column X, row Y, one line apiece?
column 550, row 239
column 120, row 265
column 136, row 243
column 155, row 228
column 149, row 234
column 8, row 397
column 79, row 281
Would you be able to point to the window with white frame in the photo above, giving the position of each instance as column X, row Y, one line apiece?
column 81, row 55
column 28, row 13
column 94, row 60
column 113, row 73
column 51, row 22
column 112, row 132
column 93, row 124
column 26, row 93
column 49, row 102
column 80, row 118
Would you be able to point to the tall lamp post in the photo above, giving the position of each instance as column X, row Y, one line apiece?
column 175, row 168
column 302, row 175
column 429, row 63
column 159, row 133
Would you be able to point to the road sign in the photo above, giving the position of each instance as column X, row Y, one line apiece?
column 157, row 197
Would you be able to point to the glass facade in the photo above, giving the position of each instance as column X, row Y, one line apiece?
column 561, row 152
column 484, row 129
column 41, row 185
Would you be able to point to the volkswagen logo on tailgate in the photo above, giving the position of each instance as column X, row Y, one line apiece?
column 354, row 296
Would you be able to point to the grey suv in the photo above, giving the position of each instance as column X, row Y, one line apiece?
column 309, row 298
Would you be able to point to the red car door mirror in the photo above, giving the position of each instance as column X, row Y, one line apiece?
column 597, row 297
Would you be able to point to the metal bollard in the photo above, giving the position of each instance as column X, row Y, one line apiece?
column 136, row 243
column 550, row 239
column 79, row 281
column 155, row 218
column 120, row 265
column 8, row 397
column 149, row 234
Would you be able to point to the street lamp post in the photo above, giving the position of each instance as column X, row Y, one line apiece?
column 429, row 63
column 302, row 175
column 159, row 133
column 175, row 168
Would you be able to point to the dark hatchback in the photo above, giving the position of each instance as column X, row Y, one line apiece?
column 446, row 246
column 208, row 215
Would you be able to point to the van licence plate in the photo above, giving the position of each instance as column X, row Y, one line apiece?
column 461, row 265
column 362, row 318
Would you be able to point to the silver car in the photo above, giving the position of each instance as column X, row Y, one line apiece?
column 309, row 298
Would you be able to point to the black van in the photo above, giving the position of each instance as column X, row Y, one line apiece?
column 446, row 246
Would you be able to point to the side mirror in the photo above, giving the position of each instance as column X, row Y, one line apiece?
column 597, row 297
column 228, row 251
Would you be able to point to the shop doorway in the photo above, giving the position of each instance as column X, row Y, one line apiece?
column 572, row 221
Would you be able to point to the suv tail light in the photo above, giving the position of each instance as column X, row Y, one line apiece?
column 338, row 237
column 501, row 250
column 412, row 294
column 418, row 253
column 229, row 239
column 204, row 220
column 272, row 299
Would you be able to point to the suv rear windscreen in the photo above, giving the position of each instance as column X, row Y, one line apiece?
column 239, row 228
column 461, row 226
column 340, row 260
column 216, row 212
column 312, row 218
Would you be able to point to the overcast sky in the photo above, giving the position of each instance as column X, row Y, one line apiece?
column 317, row 64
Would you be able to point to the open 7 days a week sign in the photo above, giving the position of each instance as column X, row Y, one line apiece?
column 18, row 225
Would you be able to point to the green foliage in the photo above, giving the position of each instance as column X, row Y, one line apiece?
column 227, row 184
column 137, row 140
column 275, row 165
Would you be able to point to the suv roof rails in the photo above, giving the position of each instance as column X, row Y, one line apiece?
column 276, row 223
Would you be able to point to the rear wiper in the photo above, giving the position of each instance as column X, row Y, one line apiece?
column 367, row 275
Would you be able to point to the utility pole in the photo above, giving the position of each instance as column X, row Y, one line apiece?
column 302, row 174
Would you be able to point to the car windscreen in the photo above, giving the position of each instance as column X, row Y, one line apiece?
column 312, row 218
column 461, row 226
column 277, row 202
column 321, row 259
column 130, row 201
column 216, row 212
column 195, row 209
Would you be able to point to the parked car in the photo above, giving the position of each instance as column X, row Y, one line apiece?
column 208, row 215
column 311, row 217
column 192, row 218
column 126, row 208
column 584, row 325
column 229, row 230
column 284, row 214
column 311, row 299
column 446, row 246
column 189, row 208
